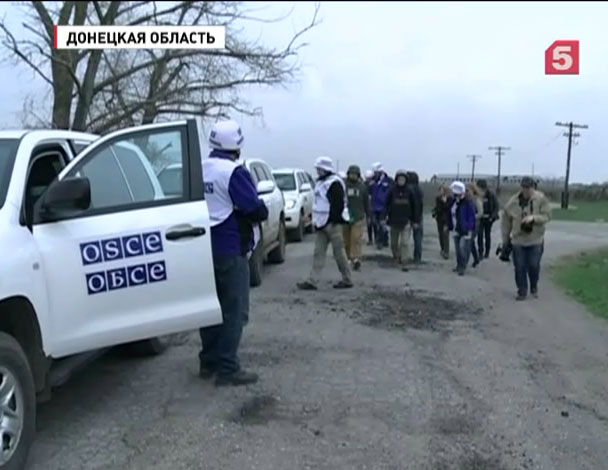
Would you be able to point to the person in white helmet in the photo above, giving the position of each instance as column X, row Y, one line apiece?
column 462, row 224
column 379, row 191
column 329, row 215
column 234, row 210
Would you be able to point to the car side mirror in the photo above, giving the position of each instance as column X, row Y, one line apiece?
column 305, row 187
column 266, row 187
column 65, row 198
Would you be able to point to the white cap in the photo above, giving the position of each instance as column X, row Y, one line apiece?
column 342, row 175
column 325, row 163
column 377, row 167
column 458, row 188
column 369, row 174
column 226, row 135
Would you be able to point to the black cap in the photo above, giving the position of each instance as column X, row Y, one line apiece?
column 527, row 182
column 483, row 184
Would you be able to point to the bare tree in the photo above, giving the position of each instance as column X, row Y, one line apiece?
column 100, row 90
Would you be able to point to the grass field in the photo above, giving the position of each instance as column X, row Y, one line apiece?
column 583, row 277
column 583, row 211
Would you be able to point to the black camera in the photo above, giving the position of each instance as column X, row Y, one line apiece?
column 526, row 227
column 504, row 252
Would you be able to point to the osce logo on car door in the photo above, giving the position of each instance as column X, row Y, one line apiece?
column 123, row 248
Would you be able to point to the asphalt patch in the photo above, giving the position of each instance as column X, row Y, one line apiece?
column 259, row 409
column 406, row 308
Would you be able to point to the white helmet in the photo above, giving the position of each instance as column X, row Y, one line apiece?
column 325, row 163
column 369, row 174
column 458, row 188
column 226, row 135
column 376, row 167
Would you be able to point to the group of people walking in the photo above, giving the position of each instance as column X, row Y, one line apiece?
column 393, row 208
column 469, row 212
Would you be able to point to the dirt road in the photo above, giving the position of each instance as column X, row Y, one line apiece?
column 420, row 370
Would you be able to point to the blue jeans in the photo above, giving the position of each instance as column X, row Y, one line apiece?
column 463, row 251
column 380, row 230
column 220, row 343
column 417, row 234
column 526, row 260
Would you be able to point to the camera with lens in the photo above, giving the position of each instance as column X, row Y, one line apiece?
column 526, row 227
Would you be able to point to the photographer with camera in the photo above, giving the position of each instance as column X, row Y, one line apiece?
column 523, row 227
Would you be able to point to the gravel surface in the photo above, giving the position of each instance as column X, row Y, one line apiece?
column 419, row 370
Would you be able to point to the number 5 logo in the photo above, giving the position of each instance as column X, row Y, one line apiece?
column 561, row 58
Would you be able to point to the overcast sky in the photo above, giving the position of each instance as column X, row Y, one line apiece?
column 419, row 86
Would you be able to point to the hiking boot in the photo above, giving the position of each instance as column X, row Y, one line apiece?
column 238, row 378
column 521, row 296
column 356, row 265
column 306, row 285
column 405, row 269
column 487, row 255
column 475, row 264
column 343, row 285
column 206, row 371
column 534, row 292
column 461, row 272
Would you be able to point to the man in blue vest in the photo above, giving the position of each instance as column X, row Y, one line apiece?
column 329, row 215
column 234, row 209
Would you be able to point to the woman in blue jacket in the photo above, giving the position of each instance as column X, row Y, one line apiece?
column 461, row 222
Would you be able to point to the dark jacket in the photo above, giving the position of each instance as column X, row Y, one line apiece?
column 379, row 191
column 335, row 195
column 358, row 200
column 462, row 216
column 418, row 196
column 441, row 211
column 490, row 205
column 399, row 204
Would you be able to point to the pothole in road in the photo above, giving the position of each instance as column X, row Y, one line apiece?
column 402, row 309
column 262, row 409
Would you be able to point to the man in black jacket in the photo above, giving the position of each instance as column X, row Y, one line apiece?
column 490, row 215
column 329, row 215
column 399, row 203
column 417, row 214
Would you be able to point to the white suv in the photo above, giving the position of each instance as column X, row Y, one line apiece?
column 273, row 238
column 298, row 193
column 94, row 254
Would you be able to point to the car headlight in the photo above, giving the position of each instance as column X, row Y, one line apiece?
column 290, row 204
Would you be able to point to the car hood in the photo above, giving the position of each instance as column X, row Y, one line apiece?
column 290, row 195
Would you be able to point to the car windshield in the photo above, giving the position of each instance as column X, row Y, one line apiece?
column 171, row 181
column 8, row 150
column 285, row 181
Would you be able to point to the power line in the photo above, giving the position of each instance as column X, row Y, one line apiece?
column 571, row 126
column 500, row 149
column 473, row 159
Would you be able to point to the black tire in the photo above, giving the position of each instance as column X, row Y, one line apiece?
column 13, row 361
column 297, row 235
column 277, row 256
column 145, row 347
column 256, row 266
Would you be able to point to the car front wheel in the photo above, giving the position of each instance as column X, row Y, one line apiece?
column 277, row 256
column 18, row 404
column 298, row 234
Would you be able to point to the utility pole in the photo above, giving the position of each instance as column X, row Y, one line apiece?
column 500, row 150
column 458, row 171
column 473, row 159
column 571, row 126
